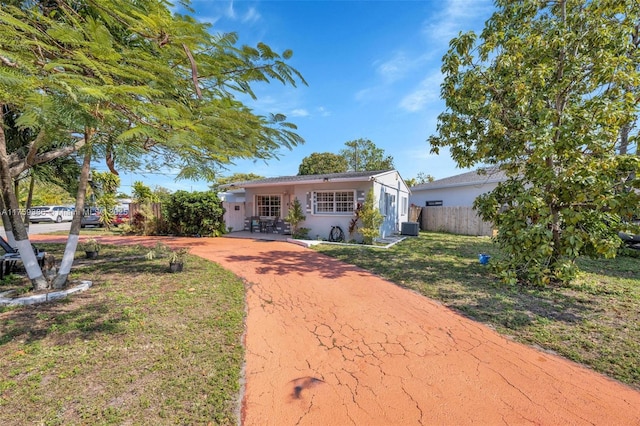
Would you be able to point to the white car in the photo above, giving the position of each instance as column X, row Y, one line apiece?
column 50, row 214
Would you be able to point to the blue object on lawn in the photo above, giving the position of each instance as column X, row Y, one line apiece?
column 484, row 258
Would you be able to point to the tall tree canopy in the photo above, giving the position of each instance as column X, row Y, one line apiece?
column 322, row 162
column 364, row 155
column 547, row 93
column 235, row 177
column 131, row 82
column 420, row 179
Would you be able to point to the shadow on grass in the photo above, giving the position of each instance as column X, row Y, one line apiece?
column 79, row 316
column 62, row 318
column 446, row 268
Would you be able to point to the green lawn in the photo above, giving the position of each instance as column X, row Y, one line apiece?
column 143, row 346
column 595, row 321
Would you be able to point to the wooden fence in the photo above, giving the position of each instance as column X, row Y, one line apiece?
column 456, row 220
column 156, row 209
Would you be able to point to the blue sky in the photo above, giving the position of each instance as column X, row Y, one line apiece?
column 373, row 69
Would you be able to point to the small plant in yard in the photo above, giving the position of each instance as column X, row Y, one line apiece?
column 159, row 250
column 301, row 233
column 371, row 219
column 178, row 255
column 91, row 247
column 295, row 216
column 177, row 259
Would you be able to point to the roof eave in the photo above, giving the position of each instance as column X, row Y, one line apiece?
column 457, row 184
column 308, row 181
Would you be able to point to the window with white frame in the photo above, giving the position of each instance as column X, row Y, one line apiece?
column 333, row 202
column 268, row 205
column 405, row 206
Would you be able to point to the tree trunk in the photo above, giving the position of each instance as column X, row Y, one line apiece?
column 8, row 230
column 60, row 279
column 34, row 272
column 27, row 205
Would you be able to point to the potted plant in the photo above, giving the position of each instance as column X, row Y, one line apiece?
column 177, row 259
column 91, row 248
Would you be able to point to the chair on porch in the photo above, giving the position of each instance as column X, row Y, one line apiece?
column 254, row 224
column 270, row 226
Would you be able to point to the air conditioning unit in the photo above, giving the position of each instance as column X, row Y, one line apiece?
column 410, row 228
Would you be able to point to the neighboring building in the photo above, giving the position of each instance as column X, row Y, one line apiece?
column 456, row 191
column 328, row 200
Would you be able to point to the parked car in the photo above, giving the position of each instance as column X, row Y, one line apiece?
column 50, row 214
column 120, row 218
column 90, row 217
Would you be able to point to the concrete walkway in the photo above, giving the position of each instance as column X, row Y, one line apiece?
column 331, row 344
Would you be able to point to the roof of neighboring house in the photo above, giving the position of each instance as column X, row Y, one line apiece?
column 300, row 179
column 475, row 177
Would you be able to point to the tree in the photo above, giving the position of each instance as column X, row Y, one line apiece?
column 236, row 177
column 104, row 186
column 135, row 84
column 364, row 155
column 319, row 163
column 142, row 194
column 420, row 179
column 545, row 94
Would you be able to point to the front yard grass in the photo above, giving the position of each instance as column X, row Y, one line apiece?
column 142, row 346
column 594, row 321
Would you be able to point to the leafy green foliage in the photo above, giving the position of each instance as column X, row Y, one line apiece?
column 235, row 177
column 195, row 213
column 319, row 163
column 44, row 194
column 371, row 219
column 420, row 179
column 363, row 155
column 150, row 88
column 547, row 94
column 104, row 186
column 142, row 193
column 295, row 216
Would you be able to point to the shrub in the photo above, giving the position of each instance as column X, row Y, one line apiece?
column 371, row 219
column 195, row 213
column 295, row 217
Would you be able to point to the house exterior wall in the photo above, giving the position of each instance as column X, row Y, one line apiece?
column 319, row 224
column 457, row 196
column 392, row 198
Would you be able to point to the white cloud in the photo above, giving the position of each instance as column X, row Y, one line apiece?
column 457, row 16
column 230, row 12
column 323, row 112
column 427, row 91
column 299, row 112
column 395, row 68
column 251, row 16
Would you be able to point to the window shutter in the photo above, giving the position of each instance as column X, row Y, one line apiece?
column 308, row 202
column 360, row 197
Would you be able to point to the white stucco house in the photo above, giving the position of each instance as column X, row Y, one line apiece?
column 328, row 200
column 457, row 191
